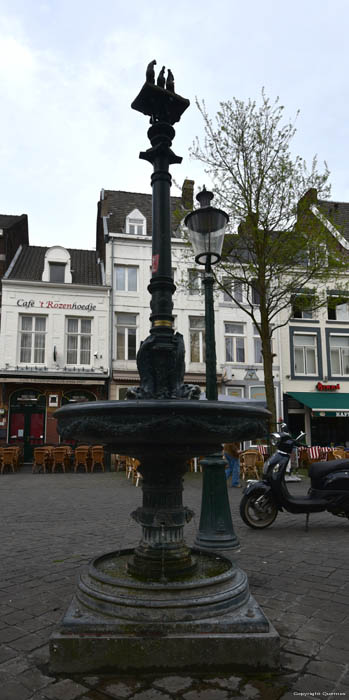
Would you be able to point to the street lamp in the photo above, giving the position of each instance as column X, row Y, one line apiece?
column 206, row 227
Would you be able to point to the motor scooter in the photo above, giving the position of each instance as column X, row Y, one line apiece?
column 329, row 487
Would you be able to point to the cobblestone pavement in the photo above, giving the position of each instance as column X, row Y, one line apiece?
column 51, row 525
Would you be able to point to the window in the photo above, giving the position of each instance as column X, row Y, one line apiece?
column 57, row 272
column 305, row 353
column 234, row 342
column 257, row 393
column 136, row 223
column 257, row 347
column 126, row 278
column 339, row 349
column 135, row 226
column 236, row 391
column 126, row 329
column 195, row 282
column 301, row 305
column 79, row 341
column 256, row 300
column 197, row 339
column 32, row 339
column 235, row 288
column 338, row 309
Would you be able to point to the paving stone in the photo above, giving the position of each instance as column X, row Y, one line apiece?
column 231, row 683
column 91, row 681
column 29, row 642
column 34, row 679
column 173, row 684
column 64, row 690
column 151, row 694
column 304, row 647
column 325, row 669
column 9, row 634
column 292, row 662
column 13, row 690
column 6, row 653
column 313, row 684
column 249, row 691
column 15, row 666
column 206, row 694
column 119, row 690
column 330, row 653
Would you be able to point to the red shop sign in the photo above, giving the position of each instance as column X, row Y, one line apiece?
column 327, row 387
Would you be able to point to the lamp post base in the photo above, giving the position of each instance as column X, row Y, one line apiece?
column 216, row 530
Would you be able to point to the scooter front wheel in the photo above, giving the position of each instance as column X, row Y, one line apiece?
column 258, row 510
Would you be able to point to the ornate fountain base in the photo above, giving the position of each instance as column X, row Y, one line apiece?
column 163, row 605
column 116, row 622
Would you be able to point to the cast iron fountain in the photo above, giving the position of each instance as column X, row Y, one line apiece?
column 163, row 604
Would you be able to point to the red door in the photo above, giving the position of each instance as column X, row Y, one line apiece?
column 36, row 429
column 17, row 427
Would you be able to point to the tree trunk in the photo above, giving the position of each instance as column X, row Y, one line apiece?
column 268, row 371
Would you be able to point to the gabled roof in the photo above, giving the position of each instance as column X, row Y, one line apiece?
column 338, row 215
column 119, row 204
column 30, row 264
column 7, row 220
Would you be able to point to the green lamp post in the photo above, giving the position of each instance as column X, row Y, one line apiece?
column 206, row 227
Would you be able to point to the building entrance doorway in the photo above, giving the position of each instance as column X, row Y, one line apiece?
column 27, row 421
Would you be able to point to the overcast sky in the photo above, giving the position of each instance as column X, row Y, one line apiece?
column 69, row 70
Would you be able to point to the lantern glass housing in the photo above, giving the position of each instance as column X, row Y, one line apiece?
column 206, row 227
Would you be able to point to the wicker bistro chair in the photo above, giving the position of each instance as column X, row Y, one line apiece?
column 97, row 457
column 41, row 460
column 250, row 462
column 339, row 453
column 60, row 458
column 82, row 458
column 132, row 470
column 10, row 459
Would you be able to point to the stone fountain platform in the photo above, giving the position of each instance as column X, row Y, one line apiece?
column 118, row 623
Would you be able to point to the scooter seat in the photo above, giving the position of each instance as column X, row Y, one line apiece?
column 320, row 469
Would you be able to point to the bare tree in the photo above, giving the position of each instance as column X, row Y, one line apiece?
column 276, row 248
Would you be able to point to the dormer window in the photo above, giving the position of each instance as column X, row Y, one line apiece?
column 136, row 223
column 57, row 266
column 57, row 271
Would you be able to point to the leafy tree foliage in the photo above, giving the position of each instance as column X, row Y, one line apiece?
column 276, row 248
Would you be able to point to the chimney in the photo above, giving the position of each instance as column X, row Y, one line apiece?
column 188, row 194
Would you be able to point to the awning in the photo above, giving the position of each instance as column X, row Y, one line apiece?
column 323, row 403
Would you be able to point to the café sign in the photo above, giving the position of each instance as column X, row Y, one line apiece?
column 327, row 387
column 70, row 306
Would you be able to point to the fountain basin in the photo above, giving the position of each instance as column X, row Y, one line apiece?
column 141, row 427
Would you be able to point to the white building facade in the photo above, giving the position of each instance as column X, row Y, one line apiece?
column 124, row 223
column 54, row 340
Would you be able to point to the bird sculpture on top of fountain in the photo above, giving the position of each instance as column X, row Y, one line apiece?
column 150, row 77
column 161, row 78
